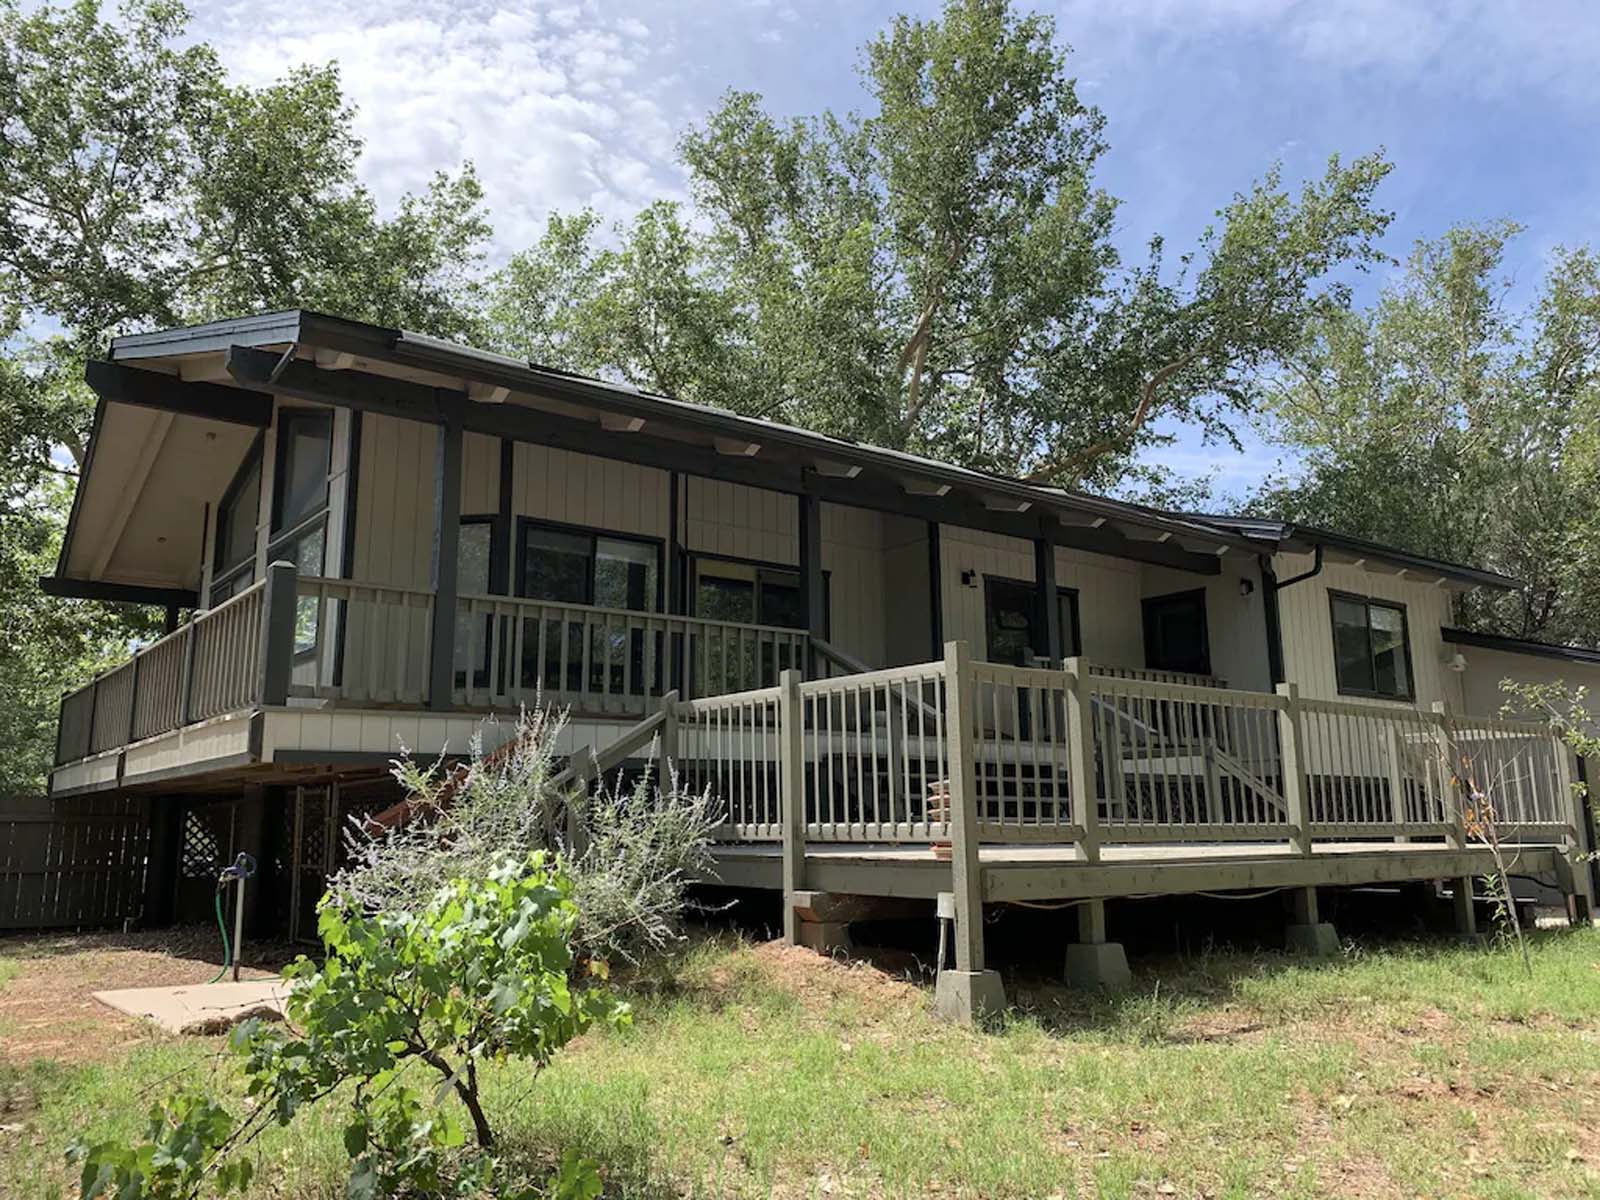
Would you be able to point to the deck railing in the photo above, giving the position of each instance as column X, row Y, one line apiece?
column 212, row 665
column 879, row 757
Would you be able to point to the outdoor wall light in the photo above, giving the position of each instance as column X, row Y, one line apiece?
column 969, row 578
column 1247, row 586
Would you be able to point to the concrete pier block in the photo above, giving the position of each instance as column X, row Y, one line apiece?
column 1319, row 940
column 966, row 997
column 1100, row 965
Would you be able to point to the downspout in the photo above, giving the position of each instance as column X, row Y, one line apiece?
column 1271, row 585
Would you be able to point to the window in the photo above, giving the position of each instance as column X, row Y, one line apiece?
column 475, row 576
column 568, row 566
column 1071, row 635
column 305, row 448
column 233, row 558
column 750, row 593
column 1371, row 649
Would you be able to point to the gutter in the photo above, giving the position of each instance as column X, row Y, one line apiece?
column 1271, row 585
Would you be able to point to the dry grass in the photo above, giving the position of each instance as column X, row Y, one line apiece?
column 760, row 1070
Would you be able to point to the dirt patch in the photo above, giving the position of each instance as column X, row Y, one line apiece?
column 47, row 1010
column 821, row 982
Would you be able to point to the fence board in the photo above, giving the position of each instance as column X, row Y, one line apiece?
column 71, row 863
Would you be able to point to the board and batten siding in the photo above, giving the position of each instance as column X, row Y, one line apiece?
column 582, row 489
column 394, row 502
column 1306, row 618
column 731, row 520
column 1236, row 625
column 1480, row 694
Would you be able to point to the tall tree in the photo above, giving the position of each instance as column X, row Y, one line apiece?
column 139, row 187
column 939, row 274
column 1448, row 421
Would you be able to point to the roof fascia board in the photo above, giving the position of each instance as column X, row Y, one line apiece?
column 77, row 491
column 1511, row 645
column 263, row 329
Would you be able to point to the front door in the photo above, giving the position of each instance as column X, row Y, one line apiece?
column 1011, row 617
column 1175, row 635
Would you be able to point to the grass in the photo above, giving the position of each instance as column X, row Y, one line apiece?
column 753, row 1071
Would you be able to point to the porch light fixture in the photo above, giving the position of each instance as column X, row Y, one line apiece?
column 969, row 578
column 1247, row 586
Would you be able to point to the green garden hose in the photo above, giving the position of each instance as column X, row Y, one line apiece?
column 227, row 950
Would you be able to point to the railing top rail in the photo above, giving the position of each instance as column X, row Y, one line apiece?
column 916, row 673
column 328, row 583
column 631, row 614
column 1113, row 671
column 259, row 585
column 1401, row 711
column 1507, row 725
column 705, row 704
column 1121, row 687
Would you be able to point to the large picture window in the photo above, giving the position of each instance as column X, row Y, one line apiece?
column 233, row 559
column 576, row 566
column 1371, row 647
column 305, row 449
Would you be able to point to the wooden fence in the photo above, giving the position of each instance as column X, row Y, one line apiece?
column 72, row 864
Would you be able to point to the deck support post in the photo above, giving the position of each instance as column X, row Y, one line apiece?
column 1296, row 792
column 1580, row 899
column 792, row 780
column 969, row 991
column 1466, row 912
column 1455, row 817
column 1092, row 961
column 1307, row 933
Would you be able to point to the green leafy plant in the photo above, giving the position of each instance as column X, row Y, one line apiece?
column 400, row 1016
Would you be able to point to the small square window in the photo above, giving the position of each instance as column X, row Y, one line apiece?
column 1371, row 647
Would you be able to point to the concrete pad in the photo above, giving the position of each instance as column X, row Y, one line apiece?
column 201, row 1007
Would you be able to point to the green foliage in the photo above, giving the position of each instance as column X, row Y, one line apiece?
column 178, row 1159
column 404, row 1010
column 939, row 274
column 1445, row 421
column 141, row 188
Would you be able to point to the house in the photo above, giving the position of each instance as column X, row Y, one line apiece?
column 383, row 539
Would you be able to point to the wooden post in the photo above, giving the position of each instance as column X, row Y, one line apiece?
column 1455, row 817
column 965, row 870
column 446, row 547
column 133, row 698
column 1581, row 903
column 669, row 734
column 186, row 678
column 1394, row 746
column 1080, row 758
column 792, row 777
column 1296, row 788
column 1044, row 576
column 276, row 664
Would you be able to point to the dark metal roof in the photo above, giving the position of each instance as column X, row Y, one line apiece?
column 1511, row 645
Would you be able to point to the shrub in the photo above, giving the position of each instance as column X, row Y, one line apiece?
column 635, row 852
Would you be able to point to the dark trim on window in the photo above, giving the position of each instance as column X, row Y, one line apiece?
column 693, row 558
column 935, row 591
column 1410, row 694
column 1076, row 648
column 1029, row 585
column 593, row 533
column 675, row 560
column 252, row 456
column 1199, row 594
column 347, row 554
column 288, row 418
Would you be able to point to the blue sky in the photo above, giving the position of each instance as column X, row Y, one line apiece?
column 1487, row 107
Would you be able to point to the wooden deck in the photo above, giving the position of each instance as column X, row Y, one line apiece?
column 1045, row 873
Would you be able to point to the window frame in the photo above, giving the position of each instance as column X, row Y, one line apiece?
column 694, row 559
column 288, row 418
column 461, row 676
column 1408, row 696
column 594, row 534
column 1075, row 649
column 221, row 572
